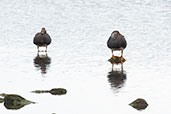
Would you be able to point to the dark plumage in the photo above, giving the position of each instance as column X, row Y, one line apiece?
column 116, row 42
column 42, row 39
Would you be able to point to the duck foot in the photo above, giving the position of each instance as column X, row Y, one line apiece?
column 116, row 60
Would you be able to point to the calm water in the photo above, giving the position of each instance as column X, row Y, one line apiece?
column 77, row 57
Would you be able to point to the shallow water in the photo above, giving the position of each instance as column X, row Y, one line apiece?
column 77, row 57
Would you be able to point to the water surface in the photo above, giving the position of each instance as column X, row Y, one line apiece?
column 77, row 57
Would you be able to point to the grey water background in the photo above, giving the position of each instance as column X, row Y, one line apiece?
column 78, row 55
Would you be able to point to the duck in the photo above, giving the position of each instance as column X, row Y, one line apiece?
column 117, row 42
column 42, row 39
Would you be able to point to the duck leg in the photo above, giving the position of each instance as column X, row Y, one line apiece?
column 112, row 53
column 37, row 48
column 121, row 55
column 46, row 48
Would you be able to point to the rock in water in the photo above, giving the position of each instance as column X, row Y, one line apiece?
column 12, row 101
column 58, row 91
column 139, row 104
column 1, row 100
column 54, row 91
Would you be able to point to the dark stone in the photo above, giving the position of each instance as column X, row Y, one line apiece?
column 1, row 100
column 54, row 91
column 139, row 104
column 58, row 91
column 12, row 101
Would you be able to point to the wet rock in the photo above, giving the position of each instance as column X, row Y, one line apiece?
column 54, row 91
column 2, row 94
column 116, row 60
column 139, row 104
column 13, row 101
column 58, row 91
column 1, row 100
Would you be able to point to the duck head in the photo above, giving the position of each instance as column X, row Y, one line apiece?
column 43, row 31
column 115, row 34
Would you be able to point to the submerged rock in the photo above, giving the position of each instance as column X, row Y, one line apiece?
column 54, row 91
column 116, row 60
column 13, row 101
column 139, row 104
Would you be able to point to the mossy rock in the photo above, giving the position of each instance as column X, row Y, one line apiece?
column 139, row 104
column 1, row 100
column 13, row 101
column 116, row 60
column 58, row 91
column 54, row 91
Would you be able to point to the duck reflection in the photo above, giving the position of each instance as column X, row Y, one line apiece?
column 42, row 62
column 117, row 77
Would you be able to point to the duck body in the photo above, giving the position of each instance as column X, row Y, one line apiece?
column 116, row 42
column 42, row 39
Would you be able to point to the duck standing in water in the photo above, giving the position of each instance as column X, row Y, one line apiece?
column 117, row 42
column 42, row 39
